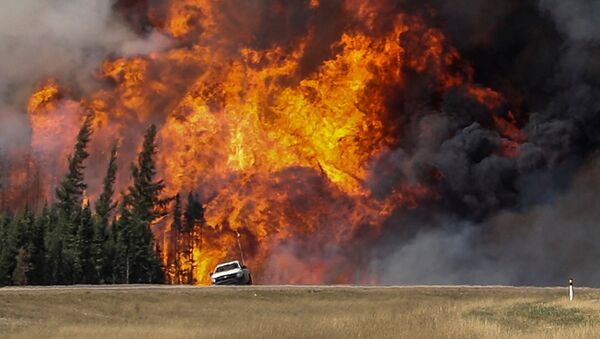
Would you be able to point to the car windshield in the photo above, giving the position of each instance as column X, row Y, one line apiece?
column 227, row 267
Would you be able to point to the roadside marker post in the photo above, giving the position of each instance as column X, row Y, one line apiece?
column 570, row 289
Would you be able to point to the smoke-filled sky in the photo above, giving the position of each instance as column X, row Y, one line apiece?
column 521, row 222
column 57, row 38
column 538, row 246
column 530, row 219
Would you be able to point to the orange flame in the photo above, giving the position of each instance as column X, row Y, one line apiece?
column 279, row 156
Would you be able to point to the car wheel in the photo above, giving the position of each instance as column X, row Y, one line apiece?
column 249, row 280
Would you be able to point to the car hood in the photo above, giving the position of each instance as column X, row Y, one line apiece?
column 220, row 274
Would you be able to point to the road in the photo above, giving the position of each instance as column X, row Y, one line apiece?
column 134, row 287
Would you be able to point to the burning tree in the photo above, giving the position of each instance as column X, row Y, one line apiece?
column 104, row 237
column 142, row 206
column 68, row 244
column 174, row 267
column 317, row 130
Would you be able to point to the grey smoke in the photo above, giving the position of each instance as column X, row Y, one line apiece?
column 542, row 246
column 579, row 19
column 439, row 257
column 59, row 38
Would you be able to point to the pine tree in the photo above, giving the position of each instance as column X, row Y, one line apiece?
column 86, row 272
column 193, row 221
column 41, row 262
column 62, row 247
column 103, row 253
column 103, row 244
column 16, row 240
column 36, row 248
column 54, row 248
column 141, row 207
column 3, row 230
column 110, row 273
column 105, row 205
column 147, row 203
column 122, row 235
column 194, row 212
column 175, row 238
column 8, row 248
column 70, row 191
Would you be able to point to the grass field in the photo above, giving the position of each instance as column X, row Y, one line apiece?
column 298, row 312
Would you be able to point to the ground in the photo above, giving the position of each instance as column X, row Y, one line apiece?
column 298, row 312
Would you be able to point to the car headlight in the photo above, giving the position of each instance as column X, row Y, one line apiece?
column 239, row 274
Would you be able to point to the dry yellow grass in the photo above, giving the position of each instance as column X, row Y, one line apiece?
column 299, row 312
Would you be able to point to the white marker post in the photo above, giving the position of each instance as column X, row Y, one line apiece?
column 570, row 289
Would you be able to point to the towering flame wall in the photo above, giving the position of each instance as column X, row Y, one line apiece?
column 310, row 136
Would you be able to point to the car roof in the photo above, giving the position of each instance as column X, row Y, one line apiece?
column 229, row 262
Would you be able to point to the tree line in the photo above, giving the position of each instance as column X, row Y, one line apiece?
column 184, row 238
column 69, row 242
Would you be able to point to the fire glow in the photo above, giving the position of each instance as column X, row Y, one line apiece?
column 279, row 155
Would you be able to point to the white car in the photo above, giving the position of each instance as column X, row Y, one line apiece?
column 231, row 273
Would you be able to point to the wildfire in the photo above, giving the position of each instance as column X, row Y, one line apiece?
column 45, row 95
column 277, row 155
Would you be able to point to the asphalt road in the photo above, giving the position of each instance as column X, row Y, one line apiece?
column 256, row 287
